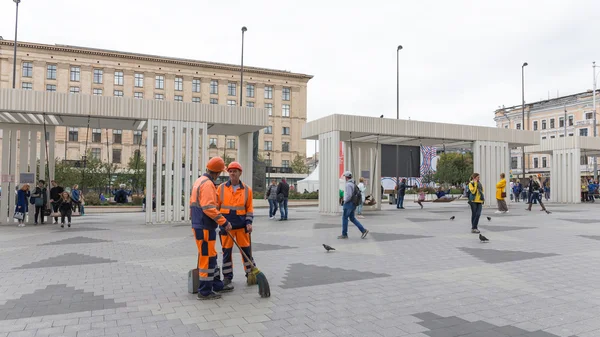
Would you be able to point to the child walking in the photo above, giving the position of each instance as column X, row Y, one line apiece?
column 421, row 197
column 65, row 207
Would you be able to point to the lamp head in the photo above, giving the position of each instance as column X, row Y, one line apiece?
column 525, row 64
column 244, row 29
column 399, row 48
column 17, row 1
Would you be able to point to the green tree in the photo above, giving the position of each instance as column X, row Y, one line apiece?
column 298, row 165
column 454, row 168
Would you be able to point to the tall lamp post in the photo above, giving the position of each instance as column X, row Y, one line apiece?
column 595, row 123
column 397, row 104
column 244, row 29
column 523, row 107
column 268, row 167
column 17, row 2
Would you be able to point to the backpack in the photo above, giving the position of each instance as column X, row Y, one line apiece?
column 470, row 196
column 356, row 196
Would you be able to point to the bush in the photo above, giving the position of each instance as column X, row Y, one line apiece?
column 92, row 199
column 137, row 200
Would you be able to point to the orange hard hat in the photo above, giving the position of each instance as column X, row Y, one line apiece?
column 234, row 165
column 216, row 164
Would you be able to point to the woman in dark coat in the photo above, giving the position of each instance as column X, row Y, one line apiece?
column 65, row 207
column 22, row 203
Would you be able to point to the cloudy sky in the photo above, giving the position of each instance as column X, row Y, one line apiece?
column 461, row 59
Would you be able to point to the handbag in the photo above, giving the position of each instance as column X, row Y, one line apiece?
column 503, row 195
column 39, row 202
column 47, row 212
column 55, row 215
column 19, row 216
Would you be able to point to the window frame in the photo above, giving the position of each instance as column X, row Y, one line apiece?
column 285, row 112
column 74, row 92
column 51, row 70
column 26, row 85
column 120, row 153
column 268, row 148
column 178, row 98
column 178, row 82
column 232, row 89
column 52, row 86
column 138, row 80
column 269, row 92
column 250, row 90
column 97, row 92
column 283, row 146
column 214, row 87
column 27, row 69
column 97, row 132
column 75, row 74
column 283, row 129
column 196, row 83
column 159, row 82
column 119, row 78
column 117, row 137
column 286, row 94
column 73, row 134
column 118, row 91
column 98, row 76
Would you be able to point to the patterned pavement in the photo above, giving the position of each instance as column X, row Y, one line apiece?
column 417, row 274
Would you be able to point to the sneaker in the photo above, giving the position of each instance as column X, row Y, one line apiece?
column 35, row 223
column 211, row 296
column 271, row 217
column 506, row 211
column 69, row 225
column 343, row 237
column 56, row 222
column 364, row 234
column 476, row 231
column 227, row 288
column 62, row 226
column 498, row 212
column 226, row 282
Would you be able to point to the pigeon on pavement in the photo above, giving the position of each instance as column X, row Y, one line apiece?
column 548, row 212
column 328, row 248
column 483, row 238
column 452, row 217
column 489, row 218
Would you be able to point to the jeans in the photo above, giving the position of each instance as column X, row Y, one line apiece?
column 272, row 207
column 348, row 210
column 39, row 211
column 359, row 208
column 283, row 209
column 400, row 201
column 475, row 214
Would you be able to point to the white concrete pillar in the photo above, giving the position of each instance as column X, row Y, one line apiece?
column 489, row 160
column 244, row 157
column 187, row 172
column 177, row 173
column 151, row 124
column 329, row 173
column 565, row 176
column 5, row 199
column 169, row 172
column 159, row 170
column 33, row 144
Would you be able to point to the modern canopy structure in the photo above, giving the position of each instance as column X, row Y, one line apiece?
column 179, row 129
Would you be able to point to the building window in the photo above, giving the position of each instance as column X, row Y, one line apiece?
column 552, row 124
column 231, row 143
column 518, row 126
column 269, row 107
column 178, row 83
column 268, row 145
column 231, row 102
column 98, row 76
column 250, row 90
column 544, row 124
column 285, row 147
column 570, row 120
column 561, row 136
column 96, row 135
column 561, row 122
column 195, row 85
column 269, row 130
column 214, row 101
column 26, row 86
column 285, row 110
column 119, row 78
column 583, row 160
column 27, row 69
column 285, row 94
column 269, row 92
column 178, row 98
column 160, row 82
column 137, row 137
column 73, row 134
column 250, row 104
column 97, row 92
column 514, row 162
column 117, row 136
column 139, row 80
column 589, row 115
column 97, row 153
column 51, row 72
column 544, row 162
column 285, row 163
column 570, row 135
column 138, row 95
column 535, row 163
column 212, row 143
column 51, row 87
column 583, row 132
column 159, row 97
column 535, row 125
column 118, row 93
column 552, row 137
column 116, row 156
column 231, row 89
column 285, row 130
column 195, row 99
column 214, row 87
column 75, row 74
column 74, row 90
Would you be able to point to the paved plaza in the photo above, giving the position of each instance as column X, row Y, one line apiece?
column 417, row 274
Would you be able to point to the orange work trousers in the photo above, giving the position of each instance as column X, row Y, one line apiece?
column 243, row 240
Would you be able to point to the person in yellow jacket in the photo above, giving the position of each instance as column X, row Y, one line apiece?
column 501, row 194
column 235, row 203
column 476, row 200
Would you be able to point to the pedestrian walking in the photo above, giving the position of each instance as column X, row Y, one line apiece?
column 501, row 194
column 65, row 208
column 362, row 188
column 76, row 196
column 476, row 200
column 534, row 193
column 55, row 195
column 283, row 193
column 22, row 205
column 516, row 190
column 401, row 188
column 40, row 201
column 351, row 201
column 421, row 197
column 271, row 196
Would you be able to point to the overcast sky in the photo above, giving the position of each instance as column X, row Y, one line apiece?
column 461, row 59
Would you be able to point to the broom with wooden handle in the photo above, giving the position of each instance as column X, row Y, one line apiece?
column 263, row 284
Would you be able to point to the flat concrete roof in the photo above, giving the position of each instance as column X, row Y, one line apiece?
column 62, row 109
column 414, row 133
column 589, row 146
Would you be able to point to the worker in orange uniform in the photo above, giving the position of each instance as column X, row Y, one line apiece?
column 205, row 219
column 235, row 203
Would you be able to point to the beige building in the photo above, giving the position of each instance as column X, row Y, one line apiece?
column 91, row 71
column 554, row 118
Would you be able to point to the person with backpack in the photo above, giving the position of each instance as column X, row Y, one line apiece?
column 476, row 200
column 352, row 198
column 40, row 200
column 534, row 193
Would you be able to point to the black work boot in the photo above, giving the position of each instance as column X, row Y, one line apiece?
column 211, row 296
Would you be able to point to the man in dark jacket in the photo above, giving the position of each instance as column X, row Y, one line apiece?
column 40, row 200
column 283, row 192
column 55, row 192
column 401, row 188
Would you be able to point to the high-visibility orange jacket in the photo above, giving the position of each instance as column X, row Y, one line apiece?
column 236, row 206
column 203, row 204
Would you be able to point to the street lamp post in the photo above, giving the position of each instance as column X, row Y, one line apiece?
column 523, row 108
column 244, row 29
column 397, row 104
column 595, row 124
column 15, row 49
column 268, row 167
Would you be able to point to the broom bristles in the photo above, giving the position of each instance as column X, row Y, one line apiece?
column 264, row 290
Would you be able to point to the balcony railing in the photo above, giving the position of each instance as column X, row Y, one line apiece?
column 276, row 169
